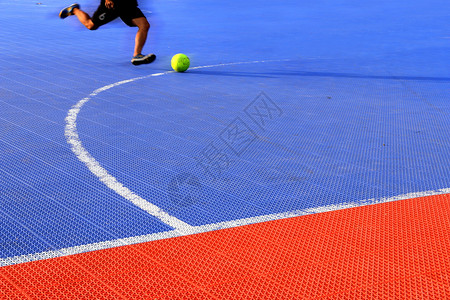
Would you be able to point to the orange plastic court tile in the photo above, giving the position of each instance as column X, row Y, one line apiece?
column 393, row 250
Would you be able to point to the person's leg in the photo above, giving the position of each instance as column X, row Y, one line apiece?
column 133, row 17
column 74, row 9
column 141, row 35
column 84, row 18
column 101, row 16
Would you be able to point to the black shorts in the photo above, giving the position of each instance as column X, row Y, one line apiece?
column 126, row 11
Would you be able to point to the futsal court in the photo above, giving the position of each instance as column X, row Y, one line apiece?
column 305, row 154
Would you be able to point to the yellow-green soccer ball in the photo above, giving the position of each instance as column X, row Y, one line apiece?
column 180, row 62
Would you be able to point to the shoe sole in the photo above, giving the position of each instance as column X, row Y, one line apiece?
column 148, row 60
column 64, row 13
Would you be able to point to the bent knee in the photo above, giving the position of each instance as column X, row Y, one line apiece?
column 90, row 25
column 142, row 23
column 145, row 26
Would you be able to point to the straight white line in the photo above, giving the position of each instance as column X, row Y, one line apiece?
column 315, row 210
column 87, row 248
column 209, row 227
column 413, row 195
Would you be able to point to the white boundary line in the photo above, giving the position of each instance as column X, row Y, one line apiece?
column 205, row 228
column 181, row 228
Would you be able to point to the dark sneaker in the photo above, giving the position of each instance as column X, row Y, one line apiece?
column 143, row 59
column 68, row 11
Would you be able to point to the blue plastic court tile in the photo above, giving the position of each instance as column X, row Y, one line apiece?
column 286, row 107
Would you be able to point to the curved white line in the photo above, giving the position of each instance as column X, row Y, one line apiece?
column 110, row 181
